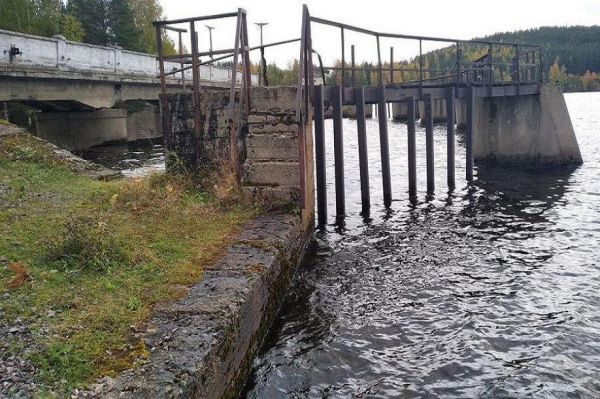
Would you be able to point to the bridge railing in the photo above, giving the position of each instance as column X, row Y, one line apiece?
column 475, row 62
column 240, row 78
column 20, row 50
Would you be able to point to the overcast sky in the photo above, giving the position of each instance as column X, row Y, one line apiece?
column 458, row 19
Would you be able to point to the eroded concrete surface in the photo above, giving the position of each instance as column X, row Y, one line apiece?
column 202, row 346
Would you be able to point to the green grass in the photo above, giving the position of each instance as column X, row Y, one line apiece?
column 100, row 256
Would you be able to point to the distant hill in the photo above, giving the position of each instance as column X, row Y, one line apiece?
column 577, row 47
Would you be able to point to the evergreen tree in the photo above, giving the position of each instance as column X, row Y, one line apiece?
column 123, row 31
column 94, row 18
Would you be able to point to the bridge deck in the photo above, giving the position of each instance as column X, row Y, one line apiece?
column 372, row 94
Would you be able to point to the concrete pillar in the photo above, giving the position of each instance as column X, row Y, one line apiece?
column 399, row 112
column 460, row 107
column 532, row 131
column 272, row 166
column 78, row 131
column 438, row 108
column 61, row 51
column 144, row 124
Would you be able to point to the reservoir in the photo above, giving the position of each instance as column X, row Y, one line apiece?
column 492, row 290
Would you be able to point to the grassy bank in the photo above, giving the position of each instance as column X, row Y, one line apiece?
column 82, row 262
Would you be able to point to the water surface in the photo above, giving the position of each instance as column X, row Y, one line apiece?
column 490, row 291
column 132, row 159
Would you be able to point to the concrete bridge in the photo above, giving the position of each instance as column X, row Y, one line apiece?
column 76, row 85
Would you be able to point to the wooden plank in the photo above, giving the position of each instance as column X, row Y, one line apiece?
column 320, row 155
column 338, row 151
column 363, row 158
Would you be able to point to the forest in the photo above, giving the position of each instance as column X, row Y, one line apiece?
column 124, row 23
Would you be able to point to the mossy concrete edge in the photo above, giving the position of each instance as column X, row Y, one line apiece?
column 202, row 346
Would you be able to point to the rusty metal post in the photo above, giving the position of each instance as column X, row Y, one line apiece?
column 491, row 68
column 165, row 112
column 379, row 66
column 450, row 137
column 518, row 62
column 246, row 62
column 161, row 62
column 181, row 60
column 421, row 67
column 196, row 90
column 541, row 67
column 233, row 155
column 391, row 65
column 343, row 61
column 338, row 152
column 429, row 144
column 363, row 157
column 300, row 116
column 458, row 71
column 320, row 156
column 412, row 147
column 384, row 147
column 353, row 66
column 469, row 133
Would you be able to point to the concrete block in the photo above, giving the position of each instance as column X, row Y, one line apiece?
column 274, row 147
column 274, row 99
column 271, row 173
column 276, row 128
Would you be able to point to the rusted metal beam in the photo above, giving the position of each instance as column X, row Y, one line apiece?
column 196, row 90
column 195, row 19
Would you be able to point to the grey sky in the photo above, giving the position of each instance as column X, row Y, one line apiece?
column 460, row 19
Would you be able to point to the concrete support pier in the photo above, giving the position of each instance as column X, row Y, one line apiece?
column 438, row 110
column 77, row 131
column 531, row 131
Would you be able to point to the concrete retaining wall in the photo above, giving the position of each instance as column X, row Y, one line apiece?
column 203, row 345
column 533, row 130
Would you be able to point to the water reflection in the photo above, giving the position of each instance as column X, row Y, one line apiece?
column 489, row 290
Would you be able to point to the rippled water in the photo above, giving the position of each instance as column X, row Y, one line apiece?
column 132, row 159
column 491, row 291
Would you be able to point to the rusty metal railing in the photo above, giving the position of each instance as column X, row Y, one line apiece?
column 191, row 61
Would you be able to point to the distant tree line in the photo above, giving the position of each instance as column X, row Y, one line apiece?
column 124, row 23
